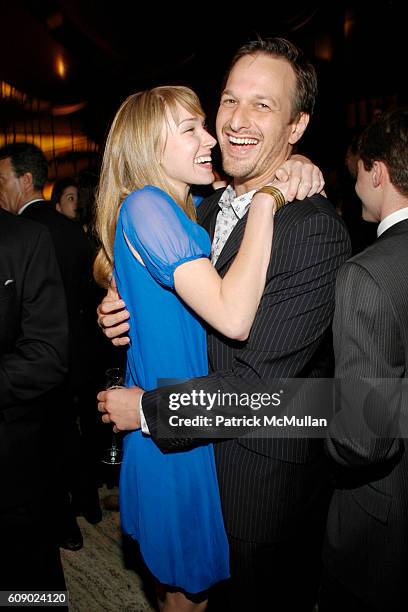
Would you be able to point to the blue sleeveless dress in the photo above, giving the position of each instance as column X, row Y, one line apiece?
column 169, row 502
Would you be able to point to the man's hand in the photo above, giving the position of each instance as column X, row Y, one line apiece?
column 121, row 407
column 112, row 317
column 304, row 178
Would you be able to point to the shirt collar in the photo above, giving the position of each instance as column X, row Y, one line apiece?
column 392, row 219
column 27, row 204
column 239, row 204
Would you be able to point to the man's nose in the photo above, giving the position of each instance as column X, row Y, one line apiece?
column 239, row 118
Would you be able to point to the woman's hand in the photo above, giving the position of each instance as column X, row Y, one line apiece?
column 303, row 178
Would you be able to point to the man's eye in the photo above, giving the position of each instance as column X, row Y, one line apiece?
column 262, row 105
column 228, row 101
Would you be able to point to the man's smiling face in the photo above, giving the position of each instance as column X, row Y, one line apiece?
column 254, row 124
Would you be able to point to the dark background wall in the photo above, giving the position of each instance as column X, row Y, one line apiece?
column 83, row 57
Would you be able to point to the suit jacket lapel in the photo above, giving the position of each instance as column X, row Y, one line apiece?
column 284, row 219
column 207, row 216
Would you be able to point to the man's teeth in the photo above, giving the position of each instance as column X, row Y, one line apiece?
column 202, row 160
column 242, row 141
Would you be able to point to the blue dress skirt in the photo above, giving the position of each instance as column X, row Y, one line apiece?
column 169, row 502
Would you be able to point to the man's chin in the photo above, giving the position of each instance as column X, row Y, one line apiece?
column 236, row 168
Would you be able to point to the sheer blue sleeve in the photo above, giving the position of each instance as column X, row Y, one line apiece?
column 161, row 233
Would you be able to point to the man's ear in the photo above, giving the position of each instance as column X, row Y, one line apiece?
column 58, row 207
column 27, row 181
column 298, row 128
column 379, row 173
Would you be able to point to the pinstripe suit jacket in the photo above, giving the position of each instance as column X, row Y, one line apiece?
column 264, row 483
column 367, row 536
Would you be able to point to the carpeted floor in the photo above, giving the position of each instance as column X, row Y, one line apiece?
column 105, row 575
column 99, row 577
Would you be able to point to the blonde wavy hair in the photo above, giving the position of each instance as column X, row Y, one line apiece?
column 131, row 160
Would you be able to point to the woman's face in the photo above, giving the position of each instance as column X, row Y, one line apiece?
column 186, row 158
column 68, row 203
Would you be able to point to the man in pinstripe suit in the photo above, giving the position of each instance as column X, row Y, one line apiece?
column 366, row 552
column 274, row 492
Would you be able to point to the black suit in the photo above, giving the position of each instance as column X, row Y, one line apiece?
column 74, row 261
column 274, row 492
column 77, row 463
column 366, row 550
column 33, row 360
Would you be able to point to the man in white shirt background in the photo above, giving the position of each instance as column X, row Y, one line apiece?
column 366, row 551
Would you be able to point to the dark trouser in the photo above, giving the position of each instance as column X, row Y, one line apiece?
column 334, row 597
column 280, row 577
column 75, row 482
column 29, row 555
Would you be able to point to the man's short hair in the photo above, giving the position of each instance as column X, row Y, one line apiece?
column 26, row 157
column 386, row 140
column 306, row 79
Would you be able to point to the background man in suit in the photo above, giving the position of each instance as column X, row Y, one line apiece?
column 23, row 172
column 33, row 361
column 366, row 553
column 274, row 492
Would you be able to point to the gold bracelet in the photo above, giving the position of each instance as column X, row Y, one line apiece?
column 275, row 193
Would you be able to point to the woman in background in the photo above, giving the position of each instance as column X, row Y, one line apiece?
column 64, row 197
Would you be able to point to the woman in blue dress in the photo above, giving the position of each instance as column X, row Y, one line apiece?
column 156, row 149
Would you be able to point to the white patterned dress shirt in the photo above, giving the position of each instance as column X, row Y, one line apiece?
column 233, row 208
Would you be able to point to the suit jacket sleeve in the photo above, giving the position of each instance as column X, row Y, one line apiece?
column 37, row 360
column 369, row 365
column 294, row 316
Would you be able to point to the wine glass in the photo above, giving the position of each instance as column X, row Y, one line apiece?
column 114, row 380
